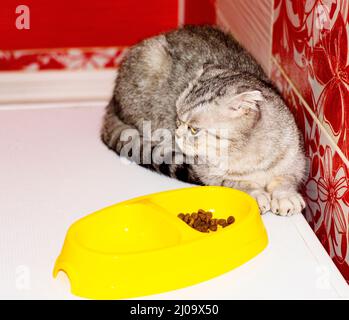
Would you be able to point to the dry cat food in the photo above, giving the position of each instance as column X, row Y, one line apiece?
column 203, row 221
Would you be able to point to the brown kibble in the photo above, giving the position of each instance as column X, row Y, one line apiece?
column 204, row 228
column 221, row 222
column 230, row 220
column 203, row 221
column 194, row 215
column 213, row 227
column 213, row 222
column 181, row 216
column 202, row 216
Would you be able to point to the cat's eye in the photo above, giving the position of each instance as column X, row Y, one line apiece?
column 193, row 131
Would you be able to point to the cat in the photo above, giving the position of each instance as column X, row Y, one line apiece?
column 192, row 82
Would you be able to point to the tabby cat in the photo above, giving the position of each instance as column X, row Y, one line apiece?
column 198, row 82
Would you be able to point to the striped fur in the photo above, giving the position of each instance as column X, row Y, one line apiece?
column 110, row 135
column 191, row 82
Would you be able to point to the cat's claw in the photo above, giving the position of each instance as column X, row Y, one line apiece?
column 263, row 199
column 287, row 204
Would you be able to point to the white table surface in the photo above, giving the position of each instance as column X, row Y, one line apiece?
column 54, row 170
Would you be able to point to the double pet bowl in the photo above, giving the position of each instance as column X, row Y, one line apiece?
column 140, row 247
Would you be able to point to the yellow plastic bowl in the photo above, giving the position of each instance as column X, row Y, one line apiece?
column 140, row 246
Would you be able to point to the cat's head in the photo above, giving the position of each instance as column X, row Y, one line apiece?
column 219, row 104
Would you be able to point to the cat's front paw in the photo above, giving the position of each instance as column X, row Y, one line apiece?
column 263, row 199
column 287, row 203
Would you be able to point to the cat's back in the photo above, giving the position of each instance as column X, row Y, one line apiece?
column 205, row 42
column 193, row 46
column 158, row 69
column 176, row 56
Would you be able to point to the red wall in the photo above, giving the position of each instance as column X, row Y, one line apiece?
column 200, row 11
column 83, row 23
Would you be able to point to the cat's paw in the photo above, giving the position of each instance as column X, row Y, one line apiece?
column 263, row 199
column 287, row 203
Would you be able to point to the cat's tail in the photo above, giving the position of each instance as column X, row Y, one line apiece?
column 113, row 127
column 111, row 135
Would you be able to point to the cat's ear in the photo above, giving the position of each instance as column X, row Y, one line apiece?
column 247, row 100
